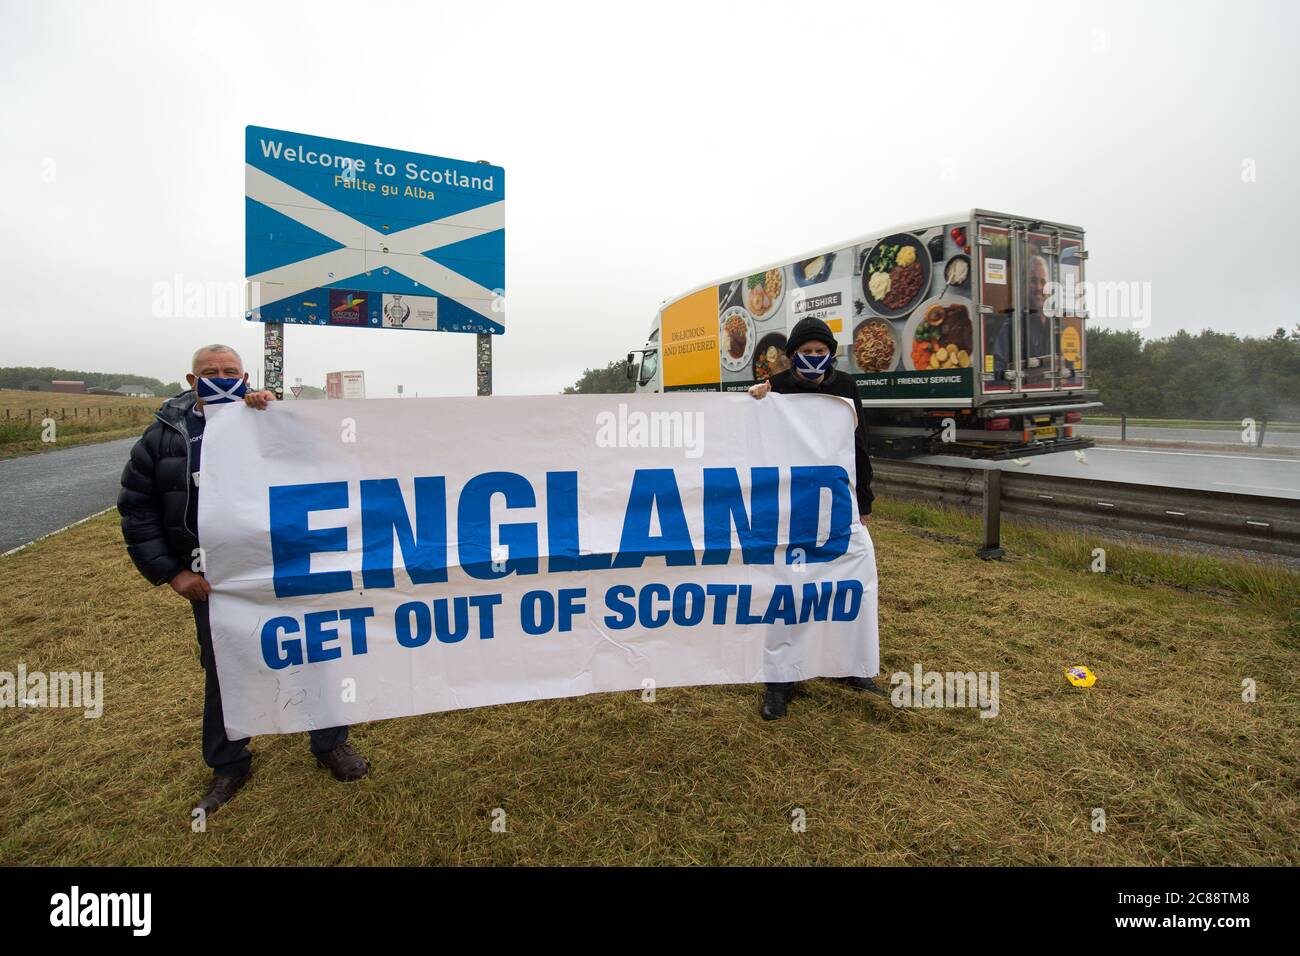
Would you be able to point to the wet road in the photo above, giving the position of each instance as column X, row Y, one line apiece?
column 1221, row 436
column 51, row 490
column 1242, row 474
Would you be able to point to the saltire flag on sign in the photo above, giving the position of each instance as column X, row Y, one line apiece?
column 365, row 565
column 341, row 233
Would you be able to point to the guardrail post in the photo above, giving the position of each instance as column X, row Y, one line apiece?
column 1259, row 440
column 992, row 549
column 1123, row 426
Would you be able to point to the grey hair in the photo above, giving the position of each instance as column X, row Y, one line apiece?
column 214, row 347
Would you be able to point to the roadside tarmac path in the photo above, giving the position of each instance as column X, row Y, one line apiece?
column 46, row 492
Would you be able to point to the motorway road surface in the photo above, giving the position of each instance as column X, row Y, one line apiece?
column 1243, row 474
column 1221, row 436
column 50, row 490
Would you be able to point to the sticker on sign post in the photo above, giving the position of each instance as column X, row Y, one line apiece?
column 410, row 312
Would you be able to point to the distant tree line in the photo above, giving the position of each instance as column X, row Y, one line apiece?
column 1208, row 376
column 609, row 380
column 27, row 378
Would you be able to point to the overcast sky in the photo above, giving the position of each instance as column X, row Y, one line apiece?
column 647, row 149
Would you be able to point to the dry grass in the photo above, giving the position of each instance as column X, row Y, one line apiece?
column 78, row 419
column 1268, row 583
column 1186, row 772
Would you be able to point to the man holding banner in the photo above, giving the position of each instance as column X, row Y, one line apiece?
column 159, row 505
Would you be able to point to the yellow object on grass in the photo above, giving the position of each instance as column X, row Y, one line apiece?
column 1080, row 676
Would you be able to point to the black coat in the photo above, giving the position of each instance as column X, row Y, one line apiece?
column 156, row 489
column 835, row 382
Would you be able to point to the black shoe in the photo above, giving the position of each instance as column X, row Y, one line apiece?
column 221, row 789
column 344, row 762
column 774, row 703
column 861, row 683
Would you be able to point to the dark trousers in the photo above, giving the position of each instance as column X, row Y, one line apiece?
column 223, row 755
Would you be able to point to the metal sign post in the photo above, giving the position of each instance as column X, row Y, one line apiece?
column 273, row 358
column 484, row 363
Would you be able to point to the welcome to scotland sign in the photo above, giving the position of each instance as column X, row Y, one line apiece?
column 346, row 234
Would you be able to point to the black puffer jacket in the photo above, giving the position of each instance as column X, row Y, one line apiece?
column 156, row 488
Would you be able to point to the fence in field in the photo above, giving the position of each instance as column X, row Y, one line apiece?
column 34, row 416
column 27, row 427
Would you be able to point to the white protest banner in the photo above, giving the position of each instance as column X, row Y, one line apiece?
column 375, row 559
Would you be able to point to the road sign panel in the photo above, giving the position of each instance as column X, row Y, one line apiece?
column 342, row 233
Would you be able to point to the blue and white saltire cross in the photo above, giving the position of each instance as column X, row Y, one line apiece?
column 217, row 391
column 336, row 230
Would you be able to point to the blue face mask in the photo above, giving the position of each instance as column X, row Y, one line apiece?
column 810, row 366
column 215, row 391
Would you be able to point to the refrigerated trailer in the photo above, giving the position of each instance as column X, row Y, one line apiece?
column 965, row 334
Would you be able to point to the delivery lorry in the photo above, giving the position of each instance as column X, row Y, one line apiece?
column 965, row 334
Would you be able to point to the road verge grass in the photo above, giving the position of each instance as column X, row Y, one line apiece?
column 1184, row 770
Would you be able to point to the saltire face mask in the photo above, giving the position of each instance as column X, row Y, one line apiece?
column 217, row 391
column 810, row 366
